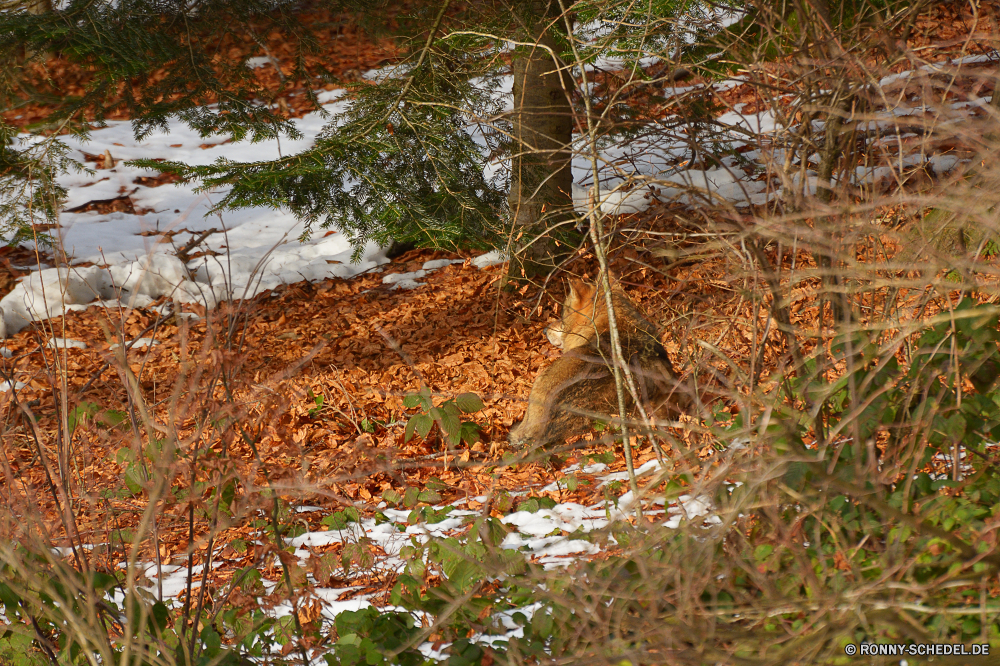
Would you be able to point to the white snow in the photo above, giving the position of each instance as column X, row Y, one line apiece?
column 259, row 61
column 174, row 578
column 886, row 81
column 435, row 264
column 50, row 292
column 251, row 250
column 553, row 538
column 138, row 343
column 65, row 343
column 404, row 280
column 246, row 252
column 491, row 258
column 409, row 280
column 758, row 123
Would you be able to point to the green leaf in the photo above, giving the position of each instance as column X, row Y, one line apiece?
column 469, row 433
column 357, row 554
column 411, row 425
column 284, row 630
column 133, row 479
column 340, row 519
column 429, row 496
column 530, row 505
column 438, row 515
column 464, row 574
column 494, row 531
column 112, row 418
column 762, row 552
column 796, row 474
column 435, row 483
column 80, row 413
column 451, row 426
column 212, row 641
column 20, row 650
column 9, row 598
column 503, row 502
column 250, row 580
column 469, row 402
column 955, row 427
column 424, row 423
column 607, row 457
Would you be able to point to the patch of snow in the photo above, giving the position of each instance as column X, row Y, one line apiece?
column 156, row 274
column 327, row 96
column 404, row 280
column 728, row 84
column 644, row 469
column 992, row 56
column 568, row 517
column 174, row 580
column 943, row 163
column 246, row 252
column 550, row 537
column 49, row 292
column 138, row 343
column 259, row 61
column 409, row 280
column 491, row 258
column 593, row 468
column 65, row 343
column 435, row 264
column 938, row 67
column 764, row 122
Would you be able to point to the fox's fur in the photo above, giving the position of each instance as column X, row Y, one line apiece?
column 580, row 384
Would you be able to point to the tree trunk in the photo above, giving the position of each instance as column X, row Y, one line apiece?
column 542, row 179
column 38, row 6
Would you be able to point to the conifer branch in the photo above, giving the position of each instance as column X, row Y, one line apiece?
column 420, row 61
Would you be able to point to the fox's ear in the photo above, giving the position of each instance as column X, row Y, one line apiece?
column 577, row 289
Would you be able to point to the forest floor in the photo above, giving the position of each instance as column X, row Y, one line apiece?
column 317, row 371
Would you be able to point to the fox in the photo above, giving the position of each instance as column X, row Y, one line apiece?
column 580, row 384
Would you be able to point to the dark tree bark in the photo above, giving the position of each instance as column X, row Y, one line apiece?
column 542, row 179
